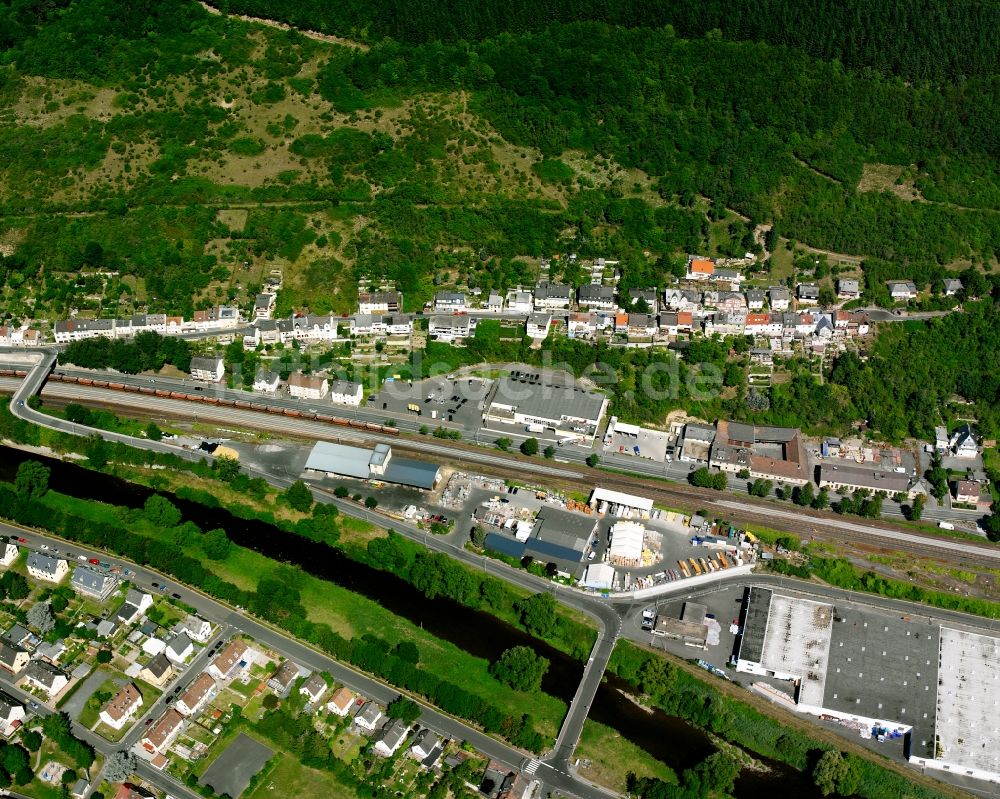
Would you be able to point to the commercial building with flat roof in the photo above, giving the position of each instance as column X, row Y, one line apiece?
column 371, row 464
column 525, row 400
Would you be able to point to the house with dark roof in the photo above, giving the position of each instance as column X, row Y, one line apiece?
column 40, row 674
column 158, row 671
column 12, row 713
column 313, row 688
column 391, row 738
column 12, row 657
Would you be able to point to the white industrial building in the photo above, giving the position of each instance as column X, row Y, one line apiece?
column 523, row 399
column 625, row 547
column 618, row 503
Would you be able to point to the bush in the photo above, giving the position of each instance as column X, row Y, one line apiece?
column 520, row 668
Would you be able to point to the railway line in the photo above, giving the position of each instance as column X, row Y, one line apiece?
column 803, row 522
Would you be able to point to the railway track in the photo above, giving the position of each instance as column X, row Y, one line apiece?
column 803, row 522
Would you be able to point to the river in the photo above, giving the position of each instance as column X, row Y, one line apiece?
column 670, row 739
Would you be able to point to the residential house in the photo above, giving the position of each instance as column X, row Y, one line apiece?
column 779, row 298
column 552, row 296
column 380, row 302
column 79, row 789
column 941, row 440
column 313, row 688
column 222, row 317
column 968, row 492
column 267, row 332
column 728, row 276
column 251, row 339
column 398, row 325
column 266, row 381
column 848, row 289
column 681, row 300
column 728, row 301
column 450, row 328
column 582, row 325
column 122, row 708
column 537, row 326
column 755, row 300
column 197, row 629
column 158, row 671
column 9, row 555
column 727, row 324
column 963, row 443
column 450, row 302
column 179, row 648
column 134, row 607
column 129, row 791
column 368, row 717
column 902, row 290
column 804, row 324
column 19, row 635
column 650, row 296
column 341, row 702
column 12, row 713
column 198, row 694
column 807, row 293
column 391, row 738
column 13, row 658
column 424, row 744
column 494, row 303
column 642, row 325
column 162, row 734
column 39, row 674
column 847, row 479
column 596, row 297
column 51, row 652
column 344, row 392
column 700, row 269
column 209, row 370
column 763, row 324
column 94, row 584
column 520, row 301
column 70, row 330
column 951, row 287
column 47, row 568
column 281, row 681
column 107, row 628
column 308, row 387
column 673, row 324
column 228, row 660
column 263, row 306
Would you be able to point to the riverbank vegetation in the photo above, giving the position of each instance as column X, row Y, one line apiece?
column 155, row 535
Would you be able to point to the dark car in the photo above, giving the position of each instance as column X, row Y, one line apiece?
column 155, row 585
column 176, row 596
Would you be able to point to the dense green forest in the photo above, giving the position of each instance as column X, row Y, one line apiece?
column 918, row 39
column 509, row 142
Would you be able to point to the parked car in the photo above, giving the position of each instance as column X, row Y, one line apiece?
column 93, row 561
column 82, row 558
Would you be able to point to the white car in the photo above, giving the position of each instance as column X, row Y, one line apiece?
column 82, row 558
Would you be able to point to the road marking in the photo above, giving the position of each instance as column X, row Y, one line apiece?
column 532, row 767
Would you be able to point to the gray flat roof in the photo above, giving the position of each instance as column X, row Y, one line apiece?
column 564, row 529
column 884, row 667
column 755, row 625
column 408, row 472
column 340, row 459
column 544, row 401
column 868, row 478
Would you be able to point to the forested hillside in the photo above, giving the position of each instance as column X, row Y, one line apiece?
column 918, row 39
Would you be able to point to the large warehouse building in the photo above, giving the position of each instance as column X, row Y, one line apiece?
column 523, row 399
column 371, row 464
column 881, row 673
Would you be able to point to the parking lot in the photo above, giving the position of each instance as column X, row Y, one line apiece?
column 640, row 442
column 459, row 401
